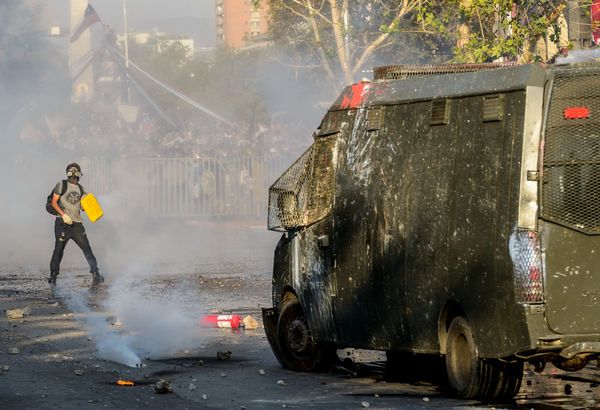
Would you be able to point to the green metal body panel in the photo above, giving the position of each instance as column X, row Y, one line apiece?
column 572, row 285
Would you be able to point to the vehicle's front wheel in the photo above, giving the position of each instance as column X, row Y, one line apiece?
column 298, row 350
column 472, row 377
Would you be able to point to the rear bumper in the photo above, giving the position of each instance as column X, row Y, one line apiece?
column 580, row 348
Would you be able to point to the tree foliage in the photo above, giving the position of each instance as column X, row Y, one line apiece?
column 225, row 82
column 342, row 36
column 486, row 30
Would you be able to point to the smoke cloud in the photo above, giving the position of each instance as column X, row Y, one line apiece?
column 39, row 136
column 133, row 324
column 111, row 344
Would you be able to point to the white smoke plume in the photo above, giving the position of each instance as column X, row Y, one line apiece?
column 134, row 325
column 159, row 328
column 112, row 344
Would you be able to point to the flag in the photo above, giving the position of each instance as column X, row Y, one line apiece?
column 89, row 17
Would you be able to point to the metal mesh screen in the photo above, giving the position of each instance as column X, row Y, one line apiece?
column 304, row 193
column 401, row 72
column 288, row 195
column 571, row 188
column 525, row 249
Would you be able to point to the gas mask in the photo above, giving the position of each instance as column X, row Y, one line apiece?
column 73, row 172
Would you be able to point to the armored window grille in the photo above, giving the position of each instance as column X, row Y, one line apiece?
column 571, row 160
column 303, row 195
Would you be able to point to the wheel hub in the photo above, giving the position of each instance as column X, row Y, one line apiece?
column 299, row 335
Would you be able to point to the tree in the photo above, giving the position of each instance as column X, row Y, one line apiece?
column 341, row 36
column 486, row 30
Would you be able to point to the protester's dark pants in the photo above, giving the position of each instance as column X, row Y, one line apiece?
column 62, row 234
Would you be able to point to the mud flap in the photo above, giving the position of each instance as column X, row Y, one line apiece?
column 270, row 319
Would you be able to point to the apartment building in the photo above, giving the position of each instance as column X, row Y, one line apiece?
column 240, row 24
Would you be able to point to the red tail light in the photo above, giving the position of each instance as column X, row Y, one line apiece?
column 526, row 255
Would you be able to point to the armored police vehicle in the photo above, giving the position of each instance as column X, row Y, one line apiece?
column 446, row 210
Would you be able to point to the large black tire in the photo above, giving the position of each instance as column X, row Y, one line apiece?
column 471, row 377
column 297, row 349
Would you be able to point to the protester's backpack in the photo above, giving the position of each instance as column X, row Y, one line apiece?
column 63, row 189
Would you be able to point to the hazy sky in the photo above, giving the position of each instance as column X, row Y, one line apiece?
column 191, row 17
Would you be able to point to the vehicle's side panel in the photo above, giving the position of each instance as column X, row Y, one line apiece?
column 352, row 214
column 390, row 194
column 484, row 211
column 312, row 278
column 428, row 191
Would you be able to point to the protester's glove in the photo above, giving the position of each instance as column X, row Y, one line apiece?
column 67, row 219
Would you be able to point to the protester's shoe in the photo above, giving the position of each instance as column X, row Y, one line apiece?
column 52, row 278
column 97, row 279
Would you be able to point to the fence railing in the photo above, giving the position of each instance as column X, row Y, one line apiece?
column 186, row 187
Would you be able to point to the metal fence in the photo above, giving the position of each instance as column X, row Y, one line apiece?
column 186, row 187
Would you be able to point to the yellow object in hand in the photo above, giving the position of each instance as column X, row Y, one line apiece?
column 91, row 207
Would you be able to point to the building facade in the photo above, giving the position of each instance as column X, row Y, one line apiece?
column 240, row 24
column 79, row 54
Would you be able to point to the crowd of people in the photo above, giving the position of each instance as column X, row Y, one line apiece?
column 99, row 134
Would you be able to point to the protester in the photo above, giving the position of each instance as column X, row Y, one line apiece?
column 66, row 201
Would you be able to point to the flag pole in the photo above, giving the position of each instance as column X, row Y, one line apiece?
column 126, row 45
column 126, row 33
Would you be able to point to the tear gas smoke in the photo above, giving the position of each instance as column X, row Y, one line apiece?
column 159, row 328
column 111, row 344
column 130, row 248
column 136, row 324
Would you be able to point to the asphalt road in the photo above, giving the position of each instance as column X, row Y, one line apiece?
column 72, row 347
column 58, row 364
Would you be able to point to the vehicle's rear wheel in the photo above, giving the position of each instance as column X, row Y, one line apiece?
column 298, row 350
column 472, row 377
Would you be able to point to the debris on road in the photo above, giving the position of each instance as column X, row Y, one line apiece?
column 222, row 321
column 261, row 371
column 224, row 355
column 200, row 363
column 125, row 383
column 365, row 404
column 163, row 387
column 192, row 387
column 426, row 399
column 18, row 313
column 78, row 372
column 250, row 323
column 223, row 374
column 14, row 350
column 204, row 396
column 281, row 383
